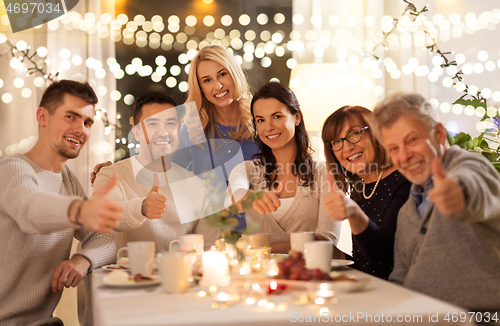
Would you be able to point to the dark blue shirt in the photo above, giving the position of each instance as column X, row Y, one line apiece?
column 220, row 157
column 373, row 249
column 419, row 193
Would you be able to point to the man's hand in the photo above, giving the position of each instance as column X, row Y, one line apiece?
column 270, row 201
column 97, row 168
column 447, row 194
column 155, row 203
column 99, row 213
column 337, row 204
column 69, row 273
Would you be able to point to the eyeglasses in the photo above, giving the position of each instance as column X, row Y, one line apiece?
column 353, row 137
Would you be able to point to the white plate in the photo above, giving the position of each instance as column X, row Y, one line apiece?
column 278, row 256
column 353, row 285
column 302, row 285
column 114, row 267
column 339, row 263
column 153, row 282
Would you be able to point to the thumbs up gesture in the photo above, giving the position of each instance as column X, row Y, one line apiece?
column 153, row 206
column 447, row 194
column 337, row 204
column 270, row 201
column 99, row 213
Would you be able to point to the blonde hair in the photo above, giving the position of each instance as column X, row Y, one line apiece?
column 205, row 110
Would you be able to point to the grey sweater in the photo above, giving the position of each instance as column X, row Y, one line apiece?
column 455, row 258
column 35, row 236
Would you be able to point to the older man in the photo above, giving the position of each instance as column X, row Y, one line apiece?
column 448, row 235
column 42, row 208
column 161, row 199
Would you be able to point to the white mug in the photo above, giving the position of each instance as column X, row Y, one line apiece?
column 175, row 269
column 188, row 242
column 298, row 239
column 318, row 254
column 257, row 240
column 141, row 256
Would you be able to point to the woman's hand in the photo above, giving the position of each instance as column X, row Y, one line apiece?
column 336, row 202
column 340, row 207
column 97, row 168
column 270, row 201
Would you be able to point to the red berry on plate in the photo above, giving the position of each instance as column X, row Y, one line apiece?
column 305, row 275
column 297, row 269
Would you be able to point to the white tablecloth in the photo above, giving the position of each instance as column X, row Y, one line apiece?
column 377, row 304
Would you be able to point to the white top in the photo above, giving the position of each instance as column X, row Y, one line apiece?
column 285, row 205
column 306, row 213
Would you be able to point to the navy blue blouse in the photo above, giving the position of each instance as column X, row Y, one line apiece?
column 373, row 249
column 221, row 159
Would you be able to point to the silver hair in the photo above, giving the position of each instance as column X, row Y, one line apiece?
column 394, row 106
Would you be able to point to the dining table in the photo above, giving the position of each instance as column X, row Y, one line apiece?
column 379, row 302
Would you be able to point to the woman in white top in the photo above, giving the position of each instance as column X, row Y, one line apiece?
column 294, row 185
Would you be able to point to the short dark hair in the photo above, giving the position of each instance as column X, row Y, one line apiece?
column 158, row 98
column 265, row 155
column 53, row 96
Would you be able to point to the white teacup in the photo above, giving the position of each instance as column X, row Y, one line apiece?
column 298, row 239
column 188, row 242
column 175, row 269
column 257, row 240
column 318, row 254
column 141, row 256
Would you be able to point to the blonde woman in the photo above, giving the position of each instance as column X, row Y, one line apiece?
column 218, row 129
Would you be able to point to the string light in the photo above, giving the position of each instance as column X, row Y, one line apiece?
column 408, row 24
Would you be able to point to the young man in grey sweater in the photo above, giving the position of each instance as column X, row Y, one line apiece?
column 43, row 206
column 448, row 234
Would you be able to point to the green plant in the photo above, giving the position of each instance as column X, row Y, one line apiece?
column 226, row 219
column 480, row 145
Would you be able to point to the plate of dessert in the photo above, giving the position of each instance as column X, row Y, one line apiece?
column 122, row 279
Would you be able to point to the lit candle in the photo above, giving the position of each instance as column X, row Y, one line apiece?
column 324, row 292
column 223, row 300
column 215, row 268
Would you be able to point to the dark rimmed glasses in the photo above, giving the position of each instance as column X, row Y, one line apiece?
column 352, row 137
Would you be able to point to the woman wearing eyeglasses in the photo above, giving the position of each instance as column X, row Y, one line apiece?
column 361, row 168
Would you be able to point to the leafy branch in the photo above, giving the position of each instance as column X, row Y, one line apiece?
column 475, row 100
column 480, row 145
column 25, row 55
column 226, row 219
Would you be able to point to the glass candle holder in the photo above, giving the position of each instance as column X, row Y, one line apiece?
column 258, row 258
